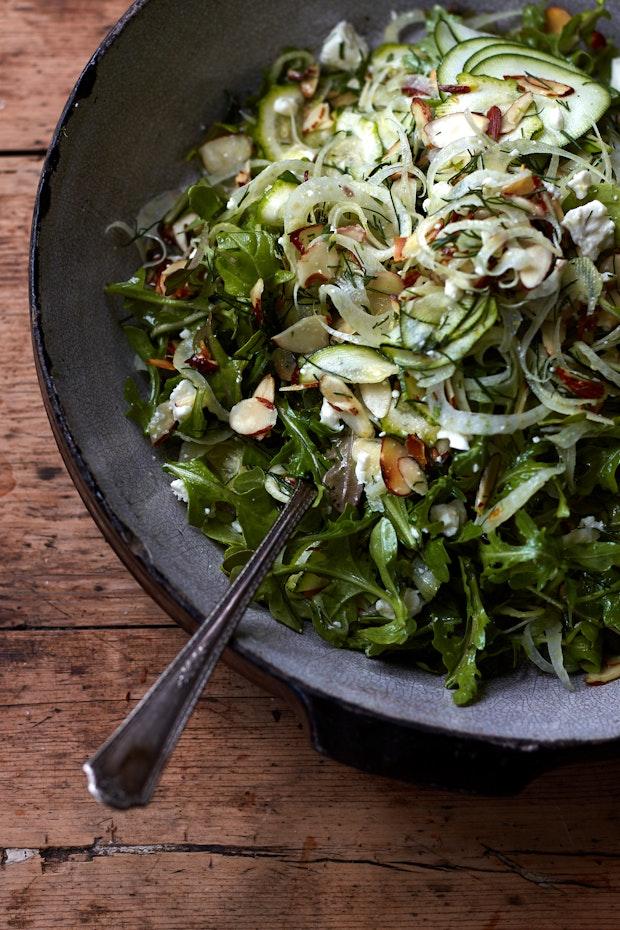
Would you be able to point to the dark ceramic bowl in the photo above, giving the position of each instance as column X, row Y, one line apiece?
column 159, row 78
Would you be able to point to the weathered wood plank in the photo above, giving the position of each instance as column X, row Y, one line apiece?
column 55, row 569
column 43, row 47
column 295, row 890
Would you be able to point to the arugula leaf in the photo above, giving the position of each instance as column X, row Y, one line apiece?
column 204, row 201
column 244, row 257
column 383, row 551
column 464, row 673
column 204, row 489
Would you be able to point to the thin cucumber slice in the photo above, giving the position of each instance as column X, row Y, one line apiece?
column 514, row 48
column 278, row 130
column 390, row 54
column 357, row 364
column 449, row 32
column 485, row 92
column 576, row 112
column 454, row 62
column 270, row 208
column 402, row 421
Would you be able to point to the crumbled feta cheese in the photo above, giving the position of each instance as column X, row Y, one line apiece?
column 615, row 73
column 395, row 394
column 579, row 183
column 207, row 511
column 451, row 290
column 161, row 422
column 588, row 531
column 329, row 417
column 411, row 599
column 452, row 516
column 179, row 490
column 182, row 399
column 456, row 440
column 343, row 49
column 366, row 454
column 236, row 526
column 286, row 106
column 185, row 334
column 555, row 116
column 590, row 228
column 592, row 523
column 442, row 190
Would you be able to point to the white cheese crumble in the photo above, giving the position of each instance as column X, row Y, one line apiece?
column 286, row 106
column 366, row 454
column 452, row 516
column 411, row 599
column 579, row 183
column 555, row 116
column 615, row 73
column 456, row 440
column 179, row 490
column 452, row 291
column 236, row 526
column 590, row 228
column 343, row 49
column 182, row 399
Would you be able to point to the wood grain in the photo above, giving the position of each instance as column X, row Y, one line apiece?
column 251, row 829
column 44, row 45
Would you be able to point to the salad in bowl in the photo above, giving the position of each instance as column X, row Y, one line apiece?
column 396, row 275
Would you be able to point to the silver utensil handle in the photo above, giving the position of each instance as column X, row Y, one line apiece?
column 124, row 772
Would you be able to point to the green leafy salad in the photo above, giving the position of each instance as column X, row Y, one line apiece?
column 397, row 275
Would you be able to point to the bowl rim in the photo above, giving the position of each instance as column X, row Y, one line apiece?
column 134, row 554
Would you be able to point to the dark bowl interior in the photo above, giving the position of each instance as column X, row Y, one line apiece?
column 154, row 85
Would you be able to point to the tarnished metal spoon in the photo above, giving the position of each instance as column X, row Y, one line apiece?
column 124, row 772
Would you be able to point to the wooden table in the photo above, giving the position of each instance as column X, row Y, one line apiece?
column 250, row 829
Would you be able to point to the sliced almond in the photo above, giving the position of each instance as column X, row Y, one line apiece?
column 522, row 185
column 318, row 264
column 416, row 448
column 256, row 299
column 609, row 672
column 383, row 291
column 350, row 410
column 377, row 397
column 317, row 117
column 544, row 87
column 405, row 247
column 515, row 113
column 538, row 264
column 305, row 336
column 401, row 474
column 413, row 475
column 253, row 417
column 446, row 129
column 310, row 81
column 556, row 17
column 356, row 232
column 422, row 113
column 160, row 287
column 303, row 237
column 266, row 390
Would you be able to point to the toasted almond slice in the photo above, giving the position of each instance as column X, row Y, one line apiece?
column 160, row 287
column 253, row 417
column 377, row 397
column 544, row 87
column 310, row 81
column 256, row 298
column 609, row 672
column 305, row 336
column 306, row 385
column 350, row 410
column 522, row 185
column 538, row 264
column 266, row 389
column 416, row 448
column 356, row 232
column 515, row 113
column 318, row 264
column 446, row 129
column 303, row 237
column 383, row 290
column 556, row 17
column 422, row 113
column 317, row 117
column 413, row 475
